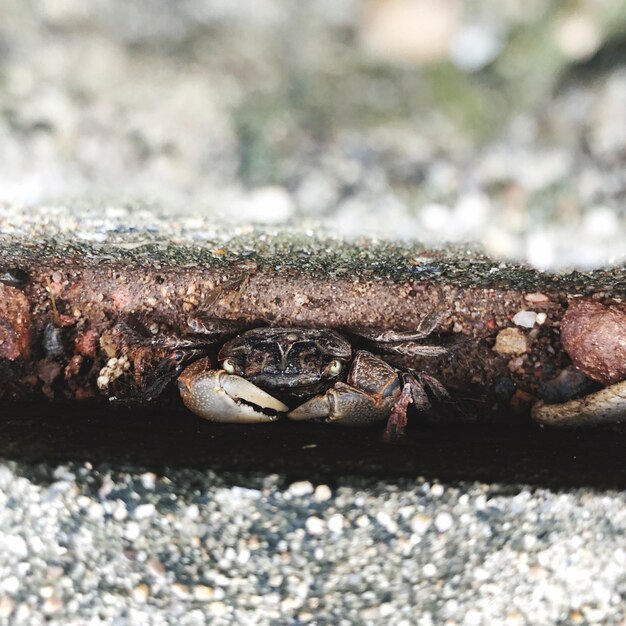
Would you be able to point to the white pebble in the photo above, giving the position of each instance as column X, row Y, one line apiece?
column 300, row 488
column 525, row 319
column 120, row 513
column 322, row 493
column 443, row 522
column 473, row 618
column 10, row 584
column 541, row 318
column 6, row 607
column 132, row 531
column 335, row 523
column 429, row 570
column 148, row 480
column 436, row 490
column 315, row 525
column 218, row 608
column 16, row 545
column 140, row 593
column 420, row 523
column 203, row 593
column 143, row 511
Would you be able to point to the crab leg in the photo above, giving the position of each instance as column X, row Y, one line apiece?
column 221, row 397
column 345, row 405
column 368, row 397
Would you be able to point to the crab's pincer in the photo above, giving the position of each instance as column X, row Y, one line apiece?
column 219, row 396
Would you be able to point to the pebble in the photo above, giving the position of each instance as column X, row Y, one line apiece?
column 144, row 511
column 525, row 319
column 322, row 493
column 510, row 341
column 300, row 488
column 7, row 606
column 315, row 525
column 16, row 545
column 335, row 523
column 443, row 522
column 10, row 584
column 140, row 593
column 202, row 593
column 133, row 531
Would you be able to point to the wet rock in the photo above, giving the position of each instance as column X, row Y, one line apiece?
column 15, row 324
column 594, row 336
column 569, row 384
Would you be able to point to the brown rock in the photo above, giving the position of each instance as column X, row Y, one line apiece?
column 15, row 324
column 510, row 341
column 594, row 336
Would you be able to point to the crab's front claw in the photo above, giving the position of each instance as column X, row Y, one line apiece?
column 345, row 405
column 222, row 397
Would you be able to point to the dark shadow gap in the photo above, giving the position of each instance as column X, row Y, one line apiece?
column 173, row 438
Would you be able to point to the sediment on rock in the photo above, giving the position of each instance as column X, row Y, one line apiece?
column 79, row 322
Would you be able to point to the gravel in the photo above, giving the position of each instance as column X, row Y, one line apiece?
column 90, row 545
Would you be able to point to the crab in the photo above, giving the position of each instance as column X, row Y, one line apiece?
column 267, row 373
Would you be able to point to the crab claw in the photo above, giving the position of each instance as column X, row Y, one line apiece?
column 345, row 405
column 222, row 397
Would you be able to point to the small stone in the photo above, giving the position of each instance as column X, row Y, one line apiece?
column 180, row 591
column 315, row 525
column 144, row 511
column 7, row 605
column 217, row 608
column 510, row 341
column 132, row 531
column 16, row 545
column 148, row 480
column 473, row 618
column 11, row 584
column 203, row 593
column 541, row 318
column 420, row 523
column 120, row 513
column 526, row 319
column 536, row 297
column 429, row 570
column 436, row 490
column 322, row 493
column 443, row 522
column 335, row 523
column 52, row 605
column 140, row 593
column 514, row 619
column 300, row 488
column 155, row 567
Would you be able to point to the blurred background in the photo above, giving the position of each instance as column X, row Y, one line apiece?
column 496, row 121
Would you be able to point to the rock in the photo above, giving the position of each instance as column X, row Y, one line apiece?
column 526, row 319
column 510, row 341
column 594, row 336
column 15, row 324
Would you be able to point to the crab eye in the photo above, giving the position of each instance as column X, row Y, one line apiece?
column 229, row 366
column 334, row 368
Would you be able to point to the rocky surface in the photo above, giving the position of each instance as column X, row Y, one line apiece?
column 85, row 544
column 505, row 127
